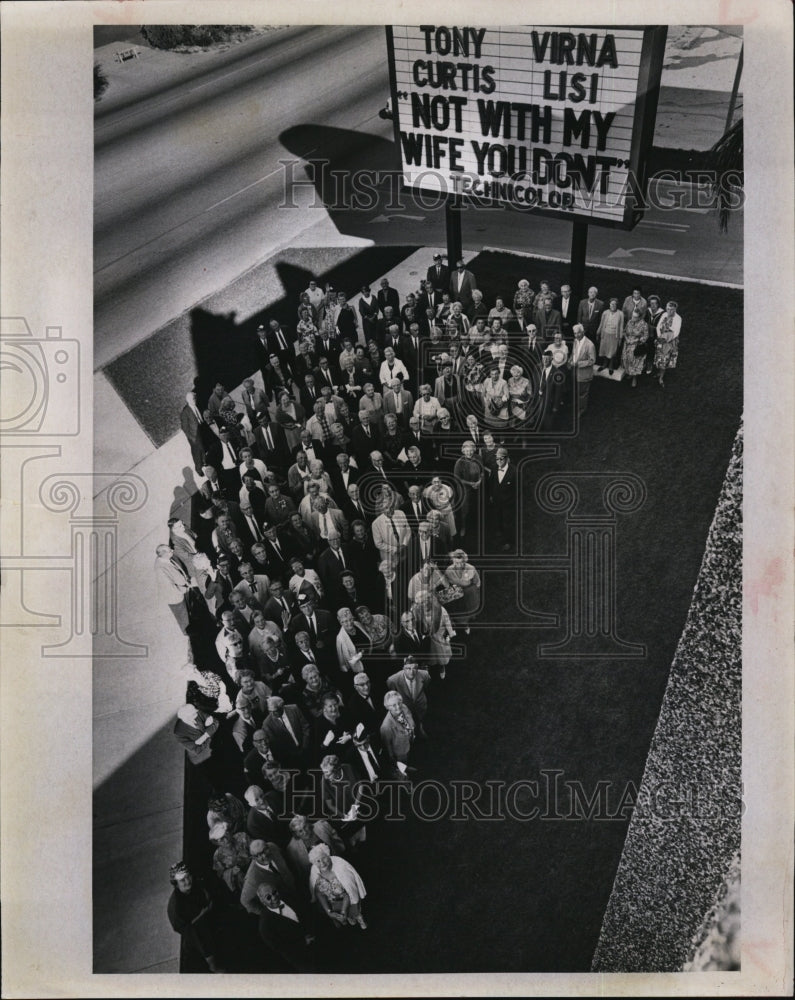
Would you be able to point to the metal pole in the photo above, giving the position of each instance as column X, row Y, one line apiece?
column 579, row 242
column 735, row 89
column 452, row 218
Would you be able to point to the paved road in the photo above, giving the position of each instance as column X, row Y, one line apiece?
column 187, row 183
column 189, row 187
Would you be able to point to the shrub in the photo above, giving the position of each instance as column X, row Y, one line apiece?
column 171, row 36
column 100, row 82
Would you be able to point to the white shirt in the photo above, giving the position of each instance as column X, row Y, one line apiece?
column 285, row 911
column 257, row 464
column 501, row 472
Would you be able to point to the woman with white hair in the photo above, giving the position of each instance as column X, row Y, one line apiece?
column 666, row 348
column 427, row 409
column 372, row 402
column 305, row 836
column 337, row 887
column 463, row 574
column 468, row 471
column 353, row 642
column 523, row 299
column 434, row 621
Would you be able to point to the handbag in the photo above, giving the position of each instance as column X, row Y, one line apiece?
column 446, row 595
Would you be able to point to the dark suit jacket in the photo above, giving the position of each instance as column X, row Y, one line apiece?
column 329, row 566
column 327, row 628
column 358, row 711
column 281, row 743
column 548, row 324
column 286, row 938
column 591, row 325
column 405, row 645
column 389, row 297
column 272, row 447
column 464, row 296
column 440, row 280
column 273, row 609
column 503, row 494
column 362, row 445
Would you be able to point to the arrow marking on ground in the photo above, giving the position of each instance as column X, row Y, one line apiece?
column 621, row 252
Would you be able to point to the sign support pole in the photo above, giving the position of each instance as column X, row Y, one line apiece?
column 579, row 242
column 452, row 218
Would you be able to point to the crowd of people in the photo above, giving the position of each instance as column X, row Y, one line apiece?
column 324, row 571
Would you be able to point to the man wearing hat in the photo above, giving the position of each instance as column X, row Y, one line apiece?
column 438, row 276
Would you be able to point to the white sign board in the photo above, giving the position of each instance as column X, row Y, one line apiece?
column 551, row 119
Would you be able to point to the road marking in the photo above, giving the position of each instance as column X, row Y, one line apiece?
column 677, row 227
column 389, row 218
column 621, row 252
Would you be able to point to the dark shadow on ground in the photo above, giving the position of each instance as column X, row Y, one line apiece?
column 153, row 377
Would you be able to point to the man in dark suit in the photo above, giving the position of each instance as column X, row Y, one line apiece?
column 415, row 437
column 276, row 552
column 462, row 284
column 319, row 625
column 550, row 392
column 262, row 351
column 411, row 356
column 589, row 312
column 416, row 507
column 352, row 507
column 287, row 733
column 502, row 503
column 415, row 472
column 281, row 606
column 388, row 297
column 547, row 320
column 410, row 642
column 364, row 708
column 280, row 343
column 530, row 350
column 365, row 438
column 328, row 347
column 332, row 561
column 438, row 277
column 201, row 438
column 271, row 445
column 343, row 475
column 286, row 928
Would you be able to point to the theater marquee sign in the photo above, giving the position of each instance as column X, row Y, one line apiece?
column 549, row 119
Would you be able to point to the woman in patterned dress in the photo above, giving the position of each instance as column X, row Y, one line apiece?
column 523, row 300
column 336, row 886
column 377, row 627
column 666, row 350
column 495, row 400
column 464, row 574
column 636, row 333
